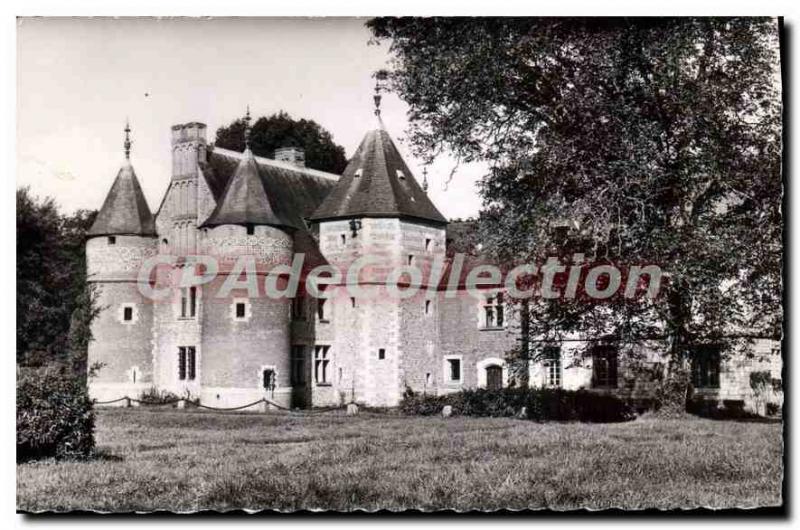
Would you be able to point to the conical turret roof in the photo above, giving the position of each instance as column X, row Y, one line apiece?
column 125, row 210
column 377, row 183
column 246, row 201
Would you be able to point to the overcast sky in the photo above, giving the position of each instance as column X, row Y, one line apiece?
column 78, row 80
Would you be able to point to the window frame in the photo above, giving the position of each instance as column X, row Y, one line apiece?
column 248, row 309
column 494, row 305
column 604, row 352
column 706, row 368
column 551, row 358
column 446, row 369
column 297, row 358
column 322, row 358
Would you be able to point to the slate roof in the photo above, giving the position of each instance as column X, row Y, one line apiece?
column 377, row 183
column 287, row 194
column 125, row 210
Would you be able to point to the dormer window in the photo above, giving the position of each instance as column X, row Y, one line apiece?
column 400, row 175
column 359, row 172
column 112, row 240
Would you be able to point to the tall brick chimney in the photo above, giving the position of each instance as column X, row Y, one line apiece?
column 292, row 155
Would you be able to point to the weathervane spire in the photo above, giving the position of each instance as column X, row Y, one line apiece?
column 425, row 179
column 127, row 143
column 380, row 86
column 247, row 129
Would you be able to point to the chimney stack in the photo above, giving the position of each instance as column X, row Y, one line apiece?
column 292, row 155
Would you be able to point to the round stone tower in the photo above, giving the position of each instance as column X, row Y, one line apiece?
column 121, row 238
column 246, row 333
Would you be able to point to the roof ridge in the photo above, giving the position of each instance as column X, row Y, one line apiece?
column 277, row 163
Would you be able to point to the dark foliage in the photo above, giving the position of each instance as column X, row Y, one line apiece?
column 52, row 296
column 54, row 414
column 616, row 140
column 729, row 409
column 540, row 404
column 280, row 130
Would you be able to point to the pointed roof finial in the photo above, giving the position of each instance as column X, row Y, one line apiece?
column 127, row 143
column 425, row 179
column 380, row 86
column 247, row 129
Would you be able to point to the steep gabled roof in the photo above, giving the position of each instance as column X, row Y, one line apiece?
column 125, row 210
column 246, row 200
column 377, row 183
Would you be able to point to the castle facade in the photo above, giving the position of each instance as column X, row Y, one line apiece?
column 305, row 351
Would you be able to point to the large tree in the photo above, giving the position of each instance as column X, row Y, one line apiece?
column 281, row 130
column 657, row 141
column 54, row 304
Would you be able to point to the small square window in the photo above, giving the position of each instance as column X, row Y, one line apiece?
column 112, row 240
column 381, row 354
column 240, row 310
column 251, row 230
column 127, row 314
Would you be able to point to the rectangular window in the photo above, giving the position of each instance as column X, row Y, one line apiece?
column 342, row 240
column 427, row 307
column 604, row 367
column 188, row 302
column 494, row 312
column 381, row 354
column 112, row 240
column 298, row 373
column 352, row 302
column 454, row 369
column 427, row 244
column 127, row 314
column 182, row 363
column 251, row 230
column 298, row 308
column 321, row 362
column 191, row 363
column 552, row 366
column 240, row 310
column 705, row 367
column 410, row 259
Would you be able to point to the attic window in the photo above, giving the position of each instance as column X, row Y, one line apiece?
column 251, row 230
column 112, row 240
column 359, row 172
column 400, row 175
column 381, row 354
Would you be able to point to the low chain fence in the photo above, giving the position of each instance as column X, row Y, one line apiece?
column 188, row 402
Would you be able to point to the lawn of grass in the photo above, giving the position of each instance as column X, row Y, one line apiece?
column 185, row 461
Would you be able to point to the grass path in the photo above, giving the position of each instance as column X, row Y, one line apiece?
column 186, row 461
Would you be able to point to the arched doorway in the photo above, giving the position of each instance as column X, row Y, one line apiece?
column 494, row 377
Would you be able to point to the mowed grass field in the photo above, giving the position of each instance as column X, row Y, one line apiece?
column 185, row 461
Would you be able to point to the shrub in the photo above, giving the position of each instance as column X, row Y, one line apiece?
column 54, row 414
column 154, row 396
column 541, row 404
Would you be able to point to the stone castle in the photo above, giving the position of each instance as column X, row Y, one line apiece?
column 304, row 351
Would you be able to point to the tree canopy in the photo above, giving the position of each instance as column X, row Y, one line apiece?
column 655, row 141
column 281, row 130
column 54, row 307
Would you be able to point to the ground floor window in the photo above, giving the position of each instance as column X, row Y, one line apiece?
column 604, row 366
column 552, row 366
column 452, row 369
column 268, row 379
column 321, row 364
column 705, row 367
column 187, row 363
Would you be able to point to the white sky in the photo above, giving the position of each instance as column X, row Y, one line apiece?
column 78, row 79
